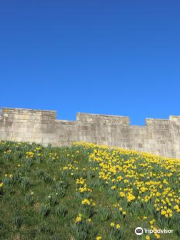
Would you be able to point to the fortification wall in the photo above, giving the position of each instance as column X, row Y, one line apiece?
column 158, row 136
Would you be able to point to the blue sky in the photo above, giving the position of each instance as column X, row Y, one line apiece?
column 104, row 57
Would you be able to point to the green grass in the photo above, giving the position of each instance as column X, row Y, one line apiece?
column 39, row 199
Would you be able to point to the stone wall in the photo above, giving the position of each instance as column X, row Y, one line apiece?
column 158, row 136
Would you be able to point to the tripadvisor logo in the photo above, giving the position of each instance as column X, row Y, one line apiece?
column 138, row 231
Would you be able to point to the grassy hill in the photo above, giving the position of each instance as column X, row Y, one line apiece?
column 86, row 192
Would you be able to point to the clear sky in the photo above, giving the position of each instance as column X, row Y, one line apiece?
column 105, row 57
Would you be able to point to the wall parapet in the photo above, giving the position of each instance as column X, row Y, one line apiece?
column 158, row 136
column 102, row 119
column 27, row 114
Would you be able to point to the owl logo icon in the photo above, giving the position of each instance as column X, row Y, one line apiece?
column 138, row 231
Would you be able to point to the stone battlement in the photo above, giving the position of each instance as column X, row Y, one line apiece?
column 158, row 136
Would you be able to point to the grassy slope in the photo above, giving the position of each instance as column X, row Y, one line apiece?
column 38, row 199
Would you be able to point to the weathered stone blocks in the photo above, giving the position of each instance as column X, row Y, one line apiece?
column 158, row 136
